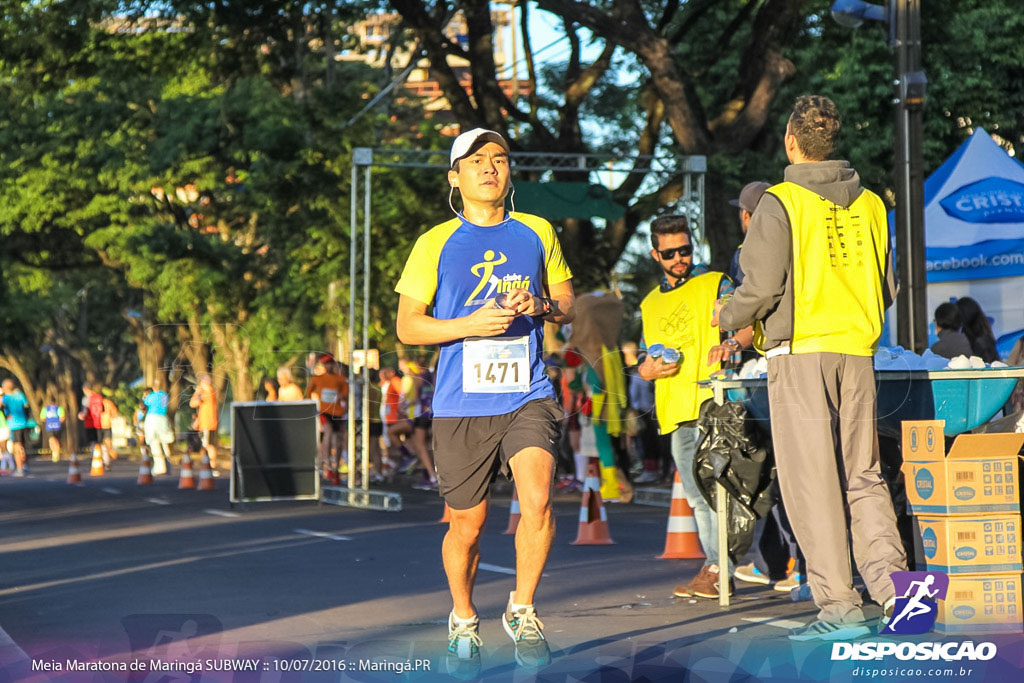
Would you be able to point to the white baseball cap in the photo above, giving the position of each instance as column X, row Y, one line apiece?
column 464, row 143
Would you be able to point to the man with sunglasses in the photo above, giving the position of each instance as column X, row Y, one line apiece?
column 677, row 317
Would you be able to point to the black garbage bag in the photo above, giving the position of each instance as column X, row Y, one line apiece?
column 732, row 451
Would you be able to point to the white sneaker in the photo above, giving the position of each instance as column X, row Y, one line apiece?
column 463, row 658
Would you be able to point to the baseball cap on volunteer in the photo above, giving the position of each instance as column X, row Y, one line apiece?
column 464, row 143
column 750, row 195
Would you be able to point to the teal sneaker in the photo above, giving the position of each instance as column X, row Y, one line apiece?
column 463, row 658
column 824, row 630
column 526, row 631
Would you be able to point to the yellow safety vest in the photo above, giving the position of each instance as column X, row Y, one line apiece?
column 681, row 319
column 839, row 261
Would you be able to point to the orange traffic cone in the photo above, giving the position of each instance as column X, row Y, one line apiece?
column 593, row 528
column 74, row 476
column 96, row 469
column 206, row 475
column 145, row 471
column 186, row 480
column 447, row 517
column 681, row 541
column 513, row 512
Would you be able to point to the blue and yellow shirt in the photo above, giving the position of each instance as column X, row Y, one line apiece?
column 456, row 267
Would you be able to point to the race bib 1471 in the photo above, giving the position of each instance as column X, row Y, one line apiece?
column 496, row 365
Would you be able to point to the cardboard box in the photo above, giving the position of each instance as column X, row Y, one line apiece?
column 988, row 603
column 978, row 475
column 969, row 545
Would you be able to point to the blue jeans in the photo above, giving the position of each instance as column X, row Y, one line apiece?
column 684, row 448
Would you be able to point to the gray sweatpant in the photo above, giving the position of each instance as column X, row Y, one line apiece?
column 826, row 453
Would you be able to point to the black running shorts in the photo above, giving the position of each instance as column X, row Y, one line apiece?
column 470, row 451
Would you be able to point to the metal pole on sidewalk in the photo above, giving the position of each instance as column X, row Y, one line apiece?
column 353, row 232
column 722, row 510
column 365, row 441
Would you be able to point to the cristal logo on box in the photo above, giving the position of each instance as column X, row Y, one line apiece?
column 963, row 612
column 925, row 483
column 964, row 493
column 930, row 544
column 966, row 553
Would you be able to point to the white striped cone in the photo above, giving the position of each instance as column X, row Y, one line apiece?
column 145, row 472
column 593, row 527
column 681, row 540
column 206, row 475
column 186, row 479
column 74, row 476
column 97, row 469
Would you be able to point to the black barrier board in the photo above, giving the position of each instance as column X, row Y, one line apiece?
column 273, row 451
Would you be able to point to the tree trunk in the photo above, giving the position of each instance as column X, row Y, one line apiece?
column 235, row 349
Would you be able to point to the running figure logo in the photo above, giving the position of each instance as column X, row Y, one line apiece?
column 917, row 602
column 485, row 271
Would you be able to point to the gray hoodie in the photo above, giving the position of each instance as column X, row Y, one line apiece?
column 767, row 254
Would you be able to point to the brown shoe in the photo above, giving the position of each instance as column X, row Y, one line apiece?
column 706, row 585
column 686, row 590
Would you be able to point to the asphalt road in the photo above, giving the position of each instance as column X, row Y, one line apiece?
column 111, row 574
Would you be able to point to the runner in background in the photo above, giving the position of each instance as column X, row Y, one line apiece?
column 418, row 393
column 52, row 418
column 159, row 433
column 107, row 428
column 15, row 407
column 395, row 425
column 7, row 464
column 204, row 401
column 91, row 417
column 330, row 389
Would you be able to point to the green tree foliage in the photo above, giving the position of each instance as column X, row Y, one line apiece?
column 213, row 176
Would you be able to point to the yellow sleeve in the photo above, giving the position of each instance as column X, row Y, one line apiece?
column 555, row 268
column 419, row 277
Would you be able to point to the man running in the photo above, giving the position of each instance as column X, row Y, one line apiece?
column 330, row 389
column 52, row 416
column 15, row 407
column 485, row 276
column 204, row 401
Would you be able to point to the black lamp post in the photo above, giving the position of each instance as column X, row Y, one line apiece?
column 904, row 19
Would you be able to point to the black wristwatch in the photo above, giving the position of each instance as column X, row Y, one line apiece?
column 549, row 306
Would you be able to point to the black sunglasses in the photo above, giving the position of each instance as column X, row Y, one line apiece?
column 667, row 254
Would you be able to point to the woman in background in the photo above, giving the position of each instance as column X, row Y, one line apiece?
column 977, row 329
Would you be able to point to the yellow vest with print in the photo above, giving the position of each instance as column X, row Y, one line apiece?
column 681, row 319
column 839, row 261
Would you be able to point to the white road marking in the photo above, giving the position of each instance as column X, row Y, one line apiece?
column 221, row 513
column 108, row 489
column 495, row 568
column 158, row 501
column 778, row 623
column 323, row 534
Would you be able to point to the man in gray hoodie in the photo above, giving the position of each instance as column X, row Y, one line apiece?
column 819, row 277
